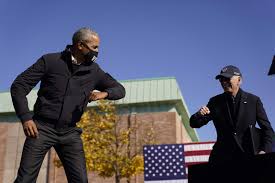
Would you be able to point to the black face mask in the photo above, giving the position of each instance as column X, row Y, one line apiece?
column 91, row 56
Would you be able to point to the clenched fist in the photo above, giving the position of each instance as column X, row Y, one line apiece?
column 204, row 110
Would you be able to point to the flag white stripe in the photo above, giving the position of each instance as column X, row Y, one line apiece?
column 167, row 181
column 201, row 158
column 198, row 147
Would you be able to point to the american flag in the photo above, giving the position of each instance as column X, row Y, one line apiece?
column 168, row 163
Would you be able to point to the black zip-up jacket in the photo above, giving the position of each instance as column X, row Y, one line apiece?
column 63, row 94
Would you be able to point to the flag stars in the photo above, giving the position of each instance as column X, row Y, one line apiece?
column 162, row 162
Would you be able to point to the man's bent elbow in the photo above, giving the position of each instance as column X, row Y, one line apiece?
column 123, row 92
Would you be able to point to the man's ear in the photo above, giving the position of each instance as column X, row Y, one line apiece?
column 79, row 45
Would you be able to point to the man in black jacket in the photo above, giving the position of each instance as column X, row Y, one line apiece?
column 234, row 114
column 68, row 80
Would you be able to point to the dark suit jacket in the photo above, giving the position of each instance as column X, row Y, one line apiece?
column 234, row 141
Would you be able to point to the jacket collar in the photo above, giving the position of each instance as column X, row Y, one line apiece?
column 66, row 54
column 243, row 102
column 243, row 105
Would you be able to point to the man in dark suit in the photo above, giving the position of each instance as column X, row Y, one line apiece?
column 234, row 114
column 68, row 80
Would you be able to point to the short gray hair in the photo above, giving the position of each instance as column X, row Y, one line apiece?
column 83, row 34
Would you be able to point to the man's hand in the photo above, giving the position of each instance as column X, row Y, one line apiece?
column 204, row 110
column 95, row 95
column 30, row 129
column 261, row 152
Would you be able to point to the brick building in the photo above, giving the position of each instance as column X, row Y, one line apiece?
column 153, row 102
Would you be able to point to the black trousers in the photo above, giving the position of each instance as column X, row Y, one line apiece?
column 67, row 144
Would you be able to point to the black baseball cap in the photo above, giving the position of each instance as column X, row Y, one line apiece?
column 229, row 71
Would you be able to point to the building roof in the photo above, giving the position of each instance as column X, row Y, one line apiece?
column 139, row 92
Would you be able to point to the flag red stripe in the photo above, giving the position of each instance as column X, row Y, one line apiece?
column 195, row 163
column 194, row 153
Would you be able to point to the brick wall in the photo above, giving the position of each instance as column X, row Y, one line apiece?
column 167, row 126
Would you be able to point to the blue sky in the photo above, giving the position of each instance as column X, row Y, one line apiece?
column 190, row 40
